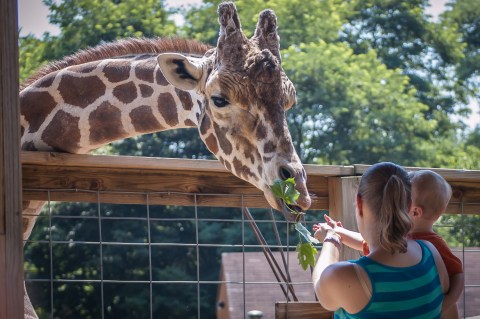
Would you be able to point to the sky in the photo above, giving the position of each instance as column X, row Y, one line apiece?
column 33, row 18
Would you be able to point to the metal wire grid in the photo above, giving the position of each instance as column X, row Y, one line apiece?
column 196, row 219
column 470, row 287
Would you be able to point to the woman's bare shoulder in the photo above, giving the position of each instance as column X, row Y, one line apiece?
column 340, row 288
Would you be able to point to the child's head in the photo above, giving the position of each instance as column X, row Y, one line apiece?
column 430, row 192
column 385, row 189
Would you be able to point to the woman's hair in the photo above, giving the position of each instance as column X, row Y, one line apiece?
column 385, row 188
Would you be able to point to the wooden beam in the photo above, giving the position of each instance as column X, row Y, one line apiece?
column 11, row 247
column 156, row 163
column 301, row 310
column 342, row 193
column 126, row 179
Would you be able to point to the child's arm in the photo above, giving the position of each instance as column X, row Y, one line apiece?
column 449, row 307
column 350, row 238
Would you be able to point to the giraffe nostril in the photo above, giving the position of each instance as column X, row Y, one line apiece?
column 285, row 173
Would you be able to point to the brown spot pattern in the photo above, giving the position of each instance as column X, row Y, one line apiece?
column 105, row 124
column 205, row 125
column 84, row 68
column 145, row 90
column 81, row 91
column 46, row 81
column 190, row 123
column 161, row 79
column 126, row 92
column 269, row 147
column 63, row 134
column 224, row 143
column 212, row 143
column 168, row 109
column 242, row 170
column 117, row 71
column 143, row 120
column 261, row 131
column 260, row 170
column 228, row 165
column 35, row 106
column 185, row 98
column 144, row 71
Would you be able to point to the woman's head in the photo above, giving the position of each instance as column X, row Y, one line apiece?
column 385, row 189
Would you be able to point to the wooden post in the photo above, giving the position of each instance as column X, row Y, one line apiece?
column 342, row 192
column 11, row 247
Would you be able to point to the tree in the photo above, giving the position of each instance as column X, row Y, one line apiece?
column 353, row 109
column 31, row 55
column 405, row 38
column 104, row 21
column 299, row 21
column 463, row 17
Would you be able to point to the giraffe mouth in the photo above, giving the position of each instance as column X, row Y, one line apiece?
column 292, row 213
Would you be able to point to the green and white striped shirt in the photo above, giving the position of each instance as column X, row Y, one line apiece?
column 407, row 293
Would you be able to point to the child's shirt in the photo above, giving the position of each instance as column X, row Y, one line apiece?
column 452, row 262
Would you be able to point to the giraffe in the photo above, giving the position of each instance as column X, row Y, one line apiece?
column 236, row 94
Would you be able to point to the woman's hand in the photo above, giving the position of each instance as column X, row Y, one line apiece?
column 321, row 230
column 331, row 222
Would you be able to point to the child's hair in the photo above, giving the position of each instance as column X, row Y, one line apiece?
column 385, row 188
column 431, row 192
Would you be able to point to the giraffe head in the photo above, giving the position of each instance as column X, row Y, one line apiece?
column 245, row 96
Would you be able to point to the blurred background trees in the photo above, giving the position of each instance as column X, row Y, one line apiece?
column 376, row 81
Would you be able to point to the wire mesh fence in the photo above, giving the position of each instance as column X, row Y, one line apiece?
column 103, row 260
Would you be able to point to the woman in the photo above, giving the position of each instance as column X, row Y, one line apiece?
column 399, row 278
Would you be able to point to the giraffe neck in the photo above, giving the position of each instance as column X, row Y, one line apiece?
column 83, row 107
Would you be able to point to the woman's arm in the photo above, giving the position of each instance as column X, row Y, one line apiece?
column 322, row 279
column 350, row 238
column 449, row 307
column 336, row 283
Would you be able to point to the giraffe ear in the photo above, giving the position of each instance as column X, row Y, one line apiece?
column 181, row 71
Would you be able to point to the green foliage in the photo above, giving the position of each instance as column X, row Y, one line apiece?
column 462, row 17
column 104, row 21
column 31, row 55
column 299, row 21
column 306, row 254
column 352, row 109
column 286, row 190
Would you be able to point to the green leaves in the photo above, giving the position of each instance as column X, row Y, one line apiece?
column 306, row 251
column 306, row 254
column 306, row 234
column 285, row 190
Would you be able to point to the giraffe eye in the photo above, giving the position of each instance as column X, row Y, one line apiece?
column 219, row 101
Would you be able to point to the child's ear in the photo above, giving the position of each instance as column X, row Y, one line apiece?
column 416, row 211
column 359, row 205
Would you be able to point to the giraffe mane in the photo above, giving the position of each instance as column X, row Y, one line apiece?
column 122, row 47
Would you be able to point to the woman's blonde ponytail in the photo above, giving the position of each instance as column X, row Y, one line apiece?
column 385, row 188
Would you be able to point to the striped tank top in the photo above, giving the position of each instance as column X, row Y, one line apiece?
column 412, row 292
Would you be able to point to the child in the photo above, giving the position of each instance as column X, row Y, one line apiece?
column 430, row 196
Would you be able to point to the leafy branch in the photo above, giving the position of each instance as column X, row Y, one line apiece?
column 285, row 190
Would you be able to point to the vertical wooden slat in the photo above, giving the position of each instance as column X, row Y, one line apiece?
column 341, row 202
column 11, row 248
